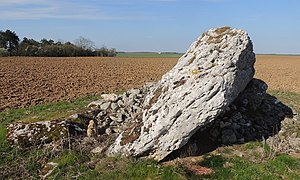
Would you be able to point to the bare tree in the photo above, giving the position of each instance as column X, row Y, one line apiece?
column 85, row 43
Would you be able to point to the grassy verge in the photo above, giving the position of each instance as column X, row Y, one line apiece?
column 27, row 164
column 49, row 111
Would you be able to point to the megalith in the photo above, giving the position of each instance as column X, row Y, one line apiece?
column 203, row 83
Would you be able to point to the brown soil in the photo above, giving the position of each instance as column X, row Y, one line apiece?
column 279, row 72
column 26, row 81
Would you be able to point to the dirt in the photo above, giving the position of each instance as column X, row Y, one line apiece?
column 27, row 81
column 279, row 72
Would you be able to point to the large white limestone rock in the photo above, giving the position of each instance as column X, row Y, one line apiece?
column 206, row 79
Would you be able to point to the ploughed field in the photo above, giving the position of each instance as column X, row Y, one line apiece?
column 26, row 81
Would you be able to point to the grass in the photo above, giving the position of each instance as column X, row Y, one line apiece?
column 282, row 167
column 114, row 168
column 49, row 111
column 289, row 98
column 151, row 54
column 80, row 164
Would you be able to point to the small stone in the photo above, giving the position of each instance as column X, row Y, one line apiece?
column 245, row 102
column 73, row 116
column 228, row 136
column 130, row 102
column 242, row 121
column 98, row 150
column 224, row 124
column 120, row 103
column 114, row 106
column 243, row 109
column 91, row 130
column 121, row 118
column 241, row 140
column 113, row 117
column 104, row 124
column 215, row 133
column 108, row 131
column 107, row 120
column 113, row 123
column 134, row 91
column 117, row 130
column 101, row 114
column 140, row 95
column 109, row 97
column 234, row 107
column 235, row 126
column 248, row 124
column 105, row 106
column 96, row 103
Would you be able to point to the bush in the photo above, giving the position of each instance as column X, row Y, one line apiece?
column 3, row 52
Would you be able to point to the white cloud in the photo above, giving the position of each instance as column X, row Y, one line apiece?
column 53, row 9
column 78, row 9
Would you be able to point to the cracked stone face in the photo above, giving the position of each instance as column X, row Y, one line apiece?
column 204, row 82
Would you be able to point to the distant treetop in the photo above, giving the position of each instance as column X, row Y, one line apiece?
column 10, row 45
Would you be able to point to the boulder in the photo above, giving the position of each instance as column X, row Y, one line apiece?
column 204, row 82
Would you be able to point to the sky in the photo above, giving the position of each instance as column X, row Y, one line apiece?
column 154, row 25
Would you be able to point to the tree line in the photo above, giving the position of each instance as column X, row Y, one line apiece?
column 10, row 45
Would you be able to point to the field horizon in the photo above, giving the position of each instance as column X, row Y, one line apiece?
column 27, row 81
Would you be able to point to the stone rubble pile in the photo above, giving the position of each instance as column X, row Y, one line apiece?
column 113, row 113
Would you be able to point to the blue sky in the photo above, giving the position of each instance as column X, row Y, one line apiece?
column 154, row 25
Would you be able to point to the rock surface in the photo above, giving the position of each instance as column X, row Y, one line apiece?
column 204, row 82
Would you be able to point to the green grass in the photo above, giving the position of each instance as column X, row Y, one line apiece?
column 289, row 98
column 73, row 164
column 49, row 111
column 3, row 132
column 26, row 164
column 151, row 55
column 282, row 167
